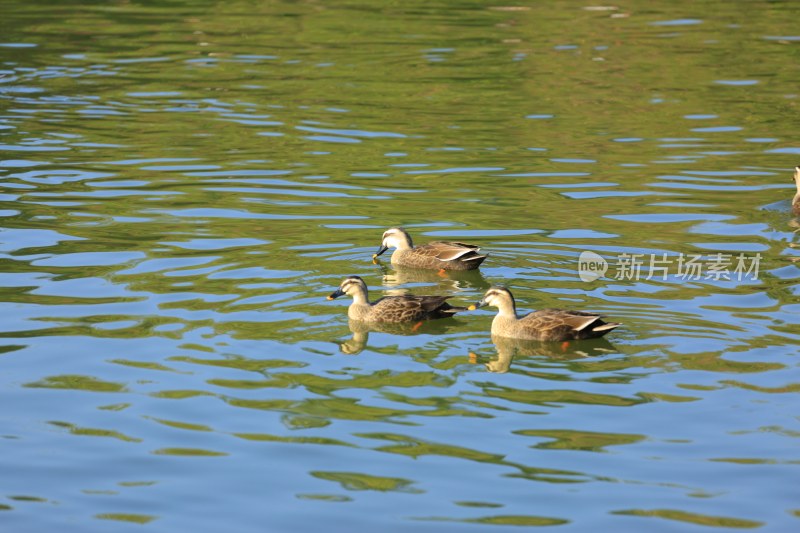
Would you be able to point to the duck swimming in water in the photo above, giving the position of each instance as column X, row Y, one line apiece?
column 542, row 325
column 405, row 308
column 439, row 255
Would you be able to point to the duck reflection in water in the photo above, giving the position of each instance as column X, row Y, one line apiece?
column 450, row 280
column 361, row 330
column 508, row 348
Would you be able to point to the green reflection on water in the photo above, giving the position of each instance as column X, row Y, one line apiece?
column 502, row 520
column 76, row 382
column 789, row 388
column 693, row 518
column 338, row 498
column 359, row 481
column 26, row 498
column 554, row 397
column 11, row 348
column 189, row 452
column 242, row 363
column 94, row 432
column 182, row 425
column 416, row 448
column 181, row 394
column 478, row 504
column 127, row 517
column 566, row 439
column 517, row 520
column 322, row 385
column 264, row 437
column 136, row 483
column 148, row 365
column 303, row 422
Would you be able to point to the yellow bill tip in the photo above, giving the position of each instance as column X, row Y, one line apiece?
column 374, row 257
column 329, row 298
column 472, row 307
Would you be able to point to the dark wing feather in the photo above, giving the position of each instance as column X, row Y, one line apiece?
column 447, row 251
column 409, row 308
column 562, row 324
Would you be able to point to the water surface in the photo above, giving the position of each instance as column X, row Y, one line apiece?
column 184, row 183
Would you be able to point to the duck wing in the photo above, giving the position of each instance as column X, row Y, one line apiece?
column 408, row 308
column 449, row 251
column 559, row 324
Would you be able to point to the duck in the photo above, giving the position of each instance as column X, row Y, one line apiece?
column 796, row 199
column 542, row 325
column 438, row 255
column 394, row 309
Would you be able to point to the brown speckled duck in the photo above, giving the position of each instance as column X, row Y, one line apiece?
column 542, row 325
column 796, row 199
column 439, row 255
column 404, row 308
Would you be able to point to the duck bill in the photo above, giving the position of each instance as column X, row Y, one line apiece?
column 476, row 305
column 335, row 294
column 380, row 251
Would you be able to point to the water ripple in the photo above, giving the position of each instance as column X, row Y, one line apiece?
column 176, row 205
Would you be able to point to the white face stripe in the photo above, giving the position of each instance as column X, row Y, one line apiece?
column 348, row 282
column 494, row 293
column 390, row 238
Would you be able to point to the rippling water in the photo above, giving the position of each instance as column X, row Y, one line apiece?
column 182, row 184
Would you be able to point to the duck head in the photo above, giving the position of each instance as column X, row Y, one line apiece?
column 496, row 297
column 351, row 285
column 394, row 238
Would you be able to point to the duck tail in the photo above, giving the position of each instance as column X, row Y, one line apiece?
column 605, row 327
column 475, row 259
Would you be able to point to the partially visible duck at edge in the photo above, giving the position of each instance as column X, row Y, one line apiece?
column 796, row 199
column 405, row 308
column 542, row 325
column 439, row 255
